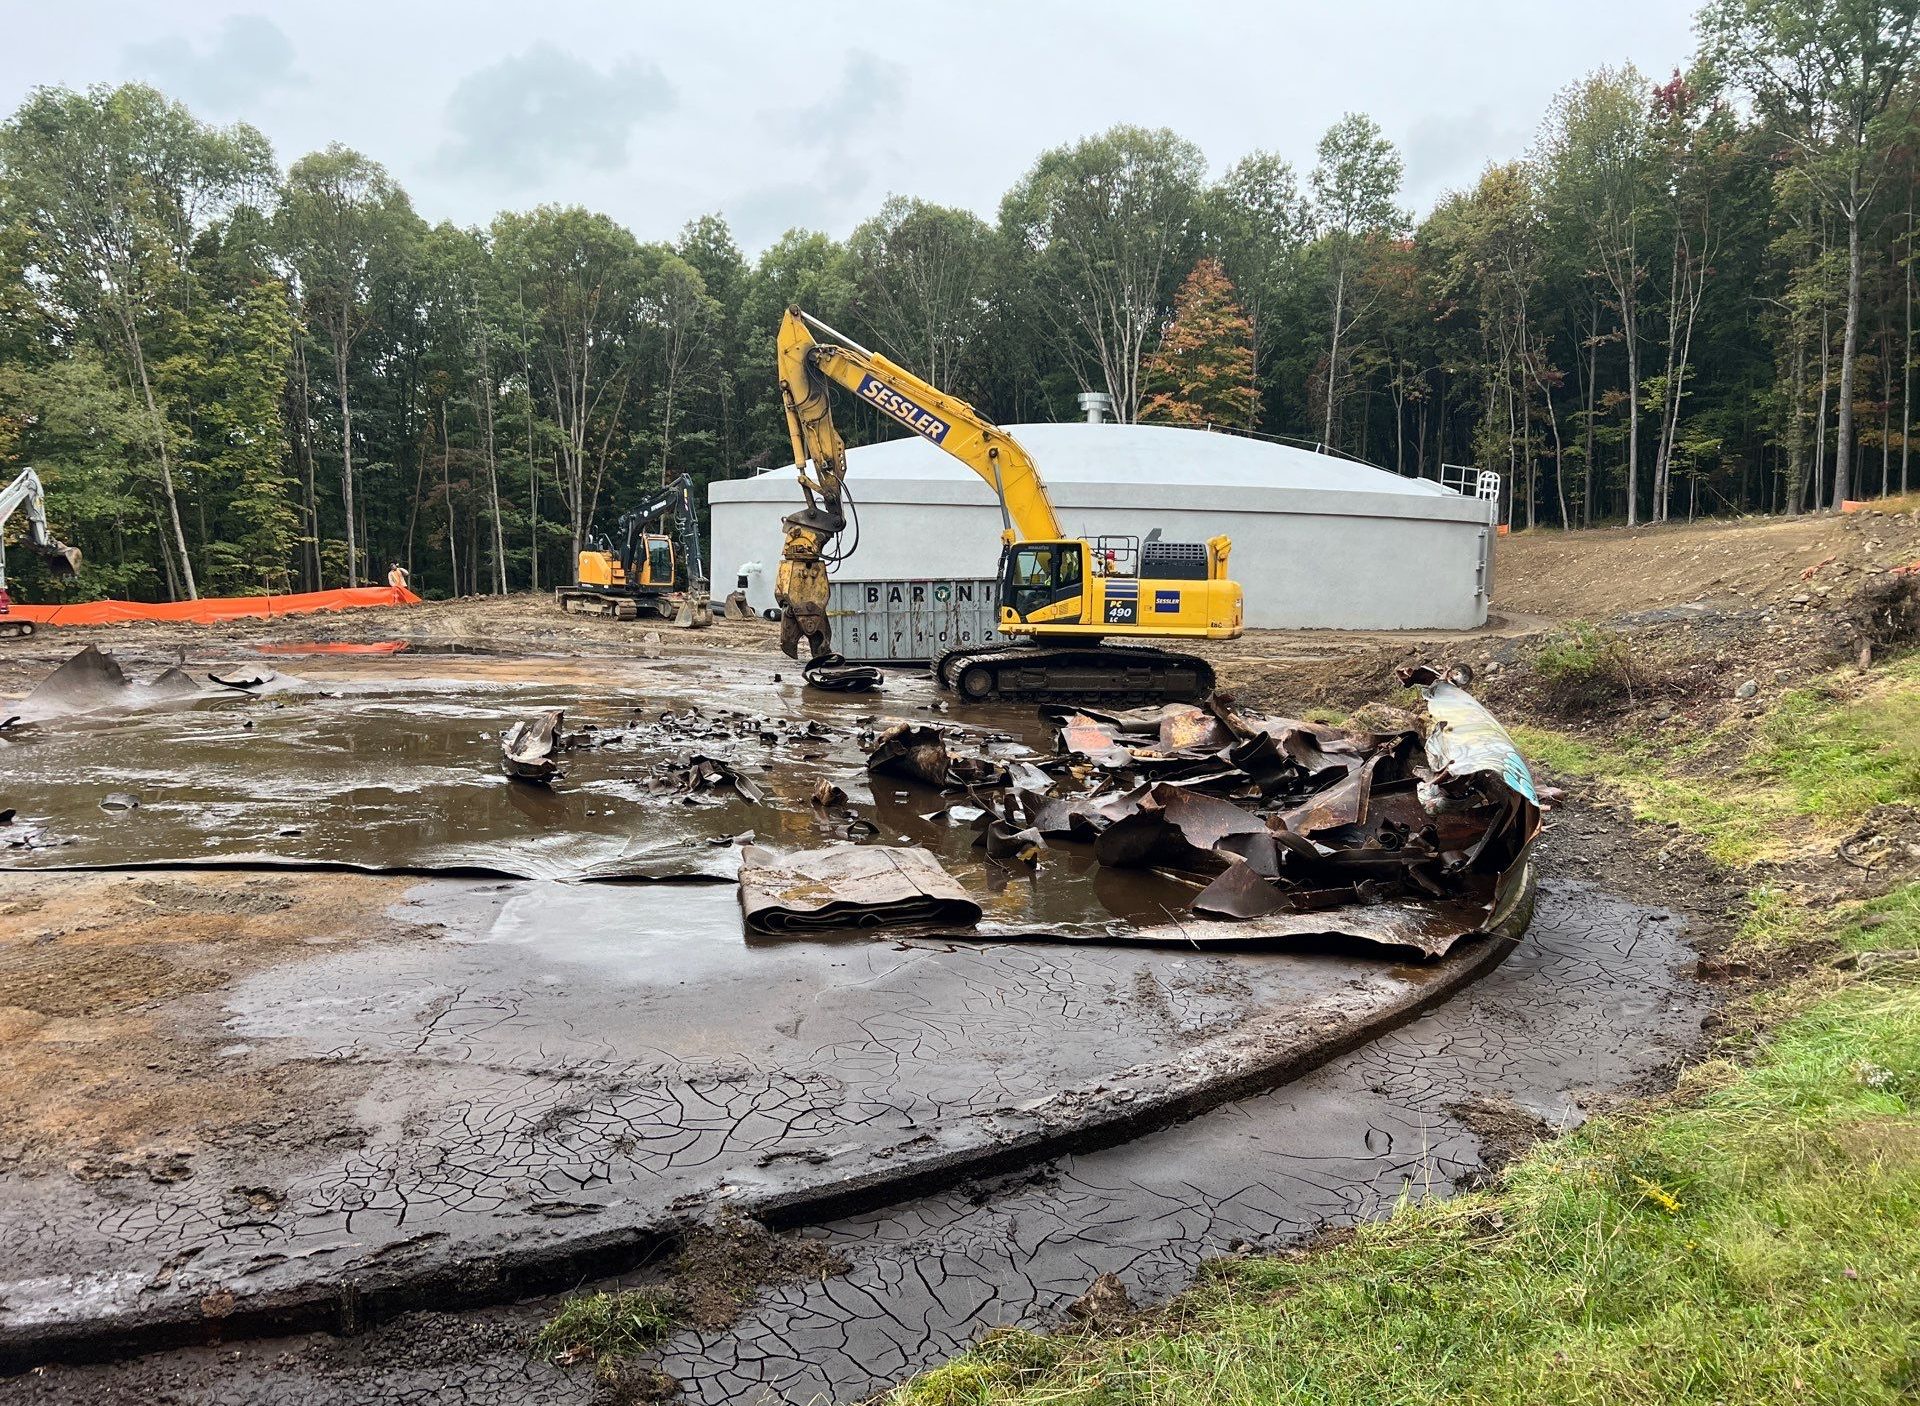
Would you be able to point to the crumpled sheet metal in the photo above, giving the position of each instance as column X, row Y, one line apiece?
column 530, row 749
column 920, row 752
column 850, row 886
column 92, row 680
column 693, row 778
column 832, row 673
column 1402, row 840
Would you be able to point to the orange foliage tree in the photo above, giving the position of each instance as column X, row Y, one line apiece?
column 1202, row 372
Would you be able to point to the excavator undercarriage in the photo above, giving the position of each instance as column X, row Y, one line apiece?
column 1089, row 673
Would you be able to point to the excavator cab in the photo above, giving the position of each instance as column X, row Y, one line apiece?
column 1044, row 581
column 650, row 563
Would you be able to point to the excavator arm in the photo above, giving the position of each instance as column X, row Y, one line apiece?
column 675, row 498
column 26, row 491
column 809, row 367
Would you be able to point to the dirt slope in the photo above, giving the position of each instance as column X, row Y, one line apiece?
column 1615, row 571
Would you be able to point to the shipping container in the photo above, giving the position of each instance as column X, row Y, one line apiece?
column 908, row 621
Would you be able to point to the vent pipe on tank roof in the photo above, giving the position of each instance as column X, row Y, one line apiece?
column 1097, row 405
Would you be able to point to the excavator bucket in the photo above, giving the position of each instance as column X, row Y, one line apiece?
column 695, row 613
column 61, row 559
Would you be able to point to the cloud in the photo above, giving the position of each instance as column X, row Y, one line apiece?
column 520, row 117
column 1448, row 151
column 870, row 86
column 249, row 57
column 832, row 143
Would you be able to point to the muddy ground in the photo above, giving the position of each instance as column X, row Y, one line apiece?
column 92, row 966
column 1601, row 999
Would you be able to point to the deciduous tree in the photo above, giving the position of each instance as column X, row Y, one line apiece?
column 1202, row 371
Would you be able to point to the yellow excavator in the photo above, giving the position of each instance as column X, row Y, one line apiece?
column 643, row 571
column 1072, row 602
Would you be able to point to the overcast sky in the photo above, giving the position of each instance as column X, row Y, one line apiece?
column 811, row 114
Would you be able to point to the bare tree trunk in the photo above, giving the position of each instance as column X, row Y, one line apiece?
column 1797, row 425
column 1849, row 349
column 666, row 422
column 159, row 422
column 493, row 494
column 1333, row 356
column 419, row 487
column 1559, row 458
column 1662, row 454
column 1886, row 409
column 1906, row 367
column 446, row 487
column 1820, row 431
column 533, row 465
column 1633, row 409
column 346, row 460
column 493, row 468
column 312, row 572
column 166, row 555
column 1593, row 376
column 1676, row 391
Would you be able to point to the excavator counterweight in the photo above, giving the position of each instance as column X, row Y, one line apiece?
column 1075, row 603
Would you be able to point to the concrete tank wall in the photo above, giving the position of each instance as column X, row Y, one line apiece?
column 1317, row 542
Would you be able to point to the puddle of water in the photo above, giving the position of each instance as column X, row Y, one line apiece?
column 407, row 773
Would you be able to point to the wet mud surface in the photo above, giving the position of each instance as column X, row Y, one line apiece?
column 552, row 1060
column 1596, row 999
column 512, row 1069
column 403, row 772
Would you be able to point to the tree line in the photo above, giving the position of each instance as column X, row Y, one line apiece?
column 1691, row 295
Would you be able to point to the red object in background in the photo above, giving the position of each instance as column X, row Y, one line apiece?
column 333, row 647
column 213, row 612
column 6, row 602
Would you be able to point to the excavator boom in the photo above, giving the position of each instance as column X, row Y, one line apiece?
column 808, row 370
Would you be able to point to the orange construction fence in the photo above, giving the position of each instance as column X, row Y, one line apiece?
column 213, row 612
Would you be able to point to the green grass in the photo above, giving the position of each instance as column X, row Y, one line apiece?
column 1755, row 1243
column 1888, row 923
column 1838, row 756
column 1736, row 823
column 1815, row 763
column 605, row 1327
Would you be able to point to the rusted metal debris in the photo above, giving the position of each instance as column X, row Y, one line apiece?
column 850, row 886
column 832, row 673
column 530, row 749
column 1411, row 838
column 919, row 752
column 693, row 779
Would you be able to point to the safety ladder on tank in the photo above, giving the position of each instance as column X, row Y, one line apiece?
column 1485, row 485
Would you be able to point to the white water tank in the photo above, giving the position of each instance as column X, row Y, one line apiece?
column 1318, row 541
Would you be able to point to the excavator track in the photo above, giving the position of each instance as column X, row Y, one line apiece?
column 1074, row 674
